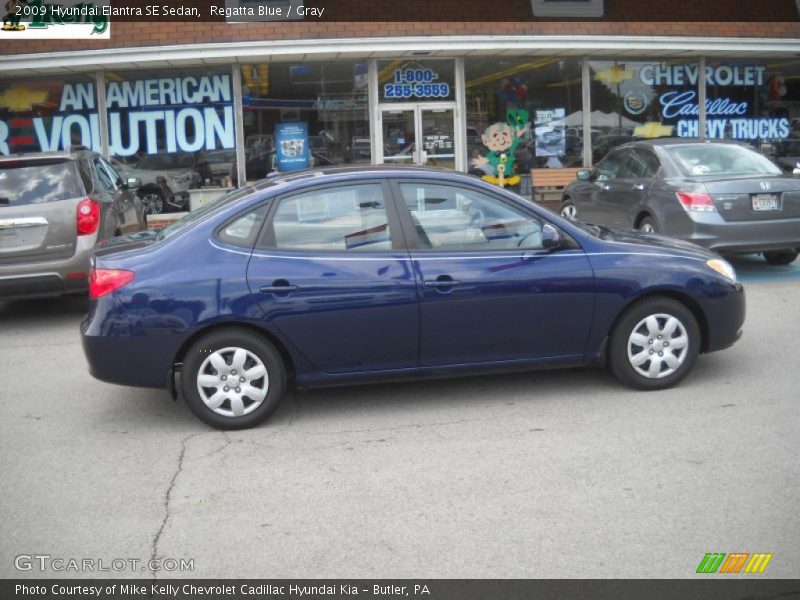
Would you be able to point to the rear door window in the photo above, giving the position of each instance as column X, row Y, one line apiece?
column 640, row 165
column 34, row 182
column 343, row 218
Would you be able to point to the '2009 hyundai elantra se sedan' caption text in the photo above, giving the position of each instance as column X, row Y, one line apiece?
column 362, row 274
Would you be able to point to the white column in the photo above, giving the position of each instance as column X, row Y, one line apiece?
column 586, row 92
column 102, row 112
column 460, row 139
column 238, row 118
column 701, row 97
column 375, row 133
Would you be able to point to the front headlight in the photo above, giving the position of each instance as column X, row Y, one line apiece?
column 723, row 267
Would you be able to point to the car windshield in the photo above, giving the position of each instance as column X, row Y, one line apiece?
column 160, row 162
column 32, row 182
column 698, row 160
column 205, row 209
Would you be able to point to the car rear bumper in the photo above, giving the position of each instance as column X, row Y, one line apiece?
column 119, row 354
column 48, row 278
column 743, row 237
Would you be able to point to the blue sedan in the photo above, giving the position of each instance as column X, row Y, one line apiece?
column 362, row 274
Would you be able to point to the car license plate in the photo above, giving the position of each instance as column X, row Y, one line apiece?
column 765, row 202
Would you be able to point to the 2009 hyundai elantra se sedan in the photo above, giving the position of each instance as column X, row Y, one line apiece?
column 348, row 274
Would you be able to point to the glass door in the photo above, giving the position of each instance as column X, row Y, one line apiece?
column 438, row 139
column 399, row 136
column 418, row 134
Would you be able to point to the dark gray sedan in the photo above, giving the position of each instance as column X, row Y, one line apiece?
column 724, row 196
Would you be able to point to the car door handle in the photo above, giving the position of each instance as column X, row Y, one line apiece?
column 441, row 283
column 278, row 288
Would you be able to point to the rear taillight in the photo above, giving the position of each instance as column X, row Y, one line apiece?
column 88, row 216
column 105, row 281
column 696, row 202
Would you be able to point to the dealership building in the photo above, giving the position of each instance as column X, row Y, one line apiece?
column 407, row 83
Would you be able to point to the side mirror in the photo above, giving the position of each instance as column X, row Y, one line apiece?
column 551, row 237
column 584, row 174
column 133, row 183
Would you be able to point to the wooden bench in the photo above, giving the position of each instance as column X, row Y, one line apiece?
column 551, row 181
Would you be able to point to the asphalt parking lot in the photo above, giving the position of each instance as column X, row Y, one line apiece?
column 558, row 474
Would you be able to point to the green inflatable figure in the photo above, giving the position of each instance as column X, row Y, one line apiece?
column 502, row 140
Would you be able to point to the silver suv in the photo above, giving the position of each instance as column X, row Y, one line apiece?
column 54, row 208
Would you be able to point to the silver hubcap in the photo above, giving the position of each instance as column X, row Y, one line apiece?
column 657, row 346
column 569, row 212
column 647, row 228
column 153, row 204
column 233, row 382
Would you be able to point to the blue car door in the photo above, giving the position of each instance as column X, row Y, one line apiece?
column 332, row 275
column 489, row 291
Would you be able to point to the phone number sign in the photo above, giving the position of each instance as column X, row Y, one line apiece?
column 415, row 83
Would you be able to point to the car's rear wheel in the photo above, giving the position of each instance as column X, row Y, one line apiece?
column 780, row 257
column 233, row 379
column 569, row 210
column 648, row 225
column 654, row 344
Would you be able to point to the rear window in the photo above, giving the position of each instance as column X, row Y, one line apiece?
column 206, row 209
column 698, row 160
column 34, row 182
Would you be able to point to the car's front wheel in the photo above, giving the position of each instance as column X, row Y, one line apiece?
column 654, row 344
column 569, row 210
column 233, row 379
column 780, row 257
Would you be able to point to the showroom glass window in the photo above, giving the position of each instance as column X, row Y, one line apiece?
column 305, row 114
column 47, row 114
column 547, row 89
column 173, row 128
column 641, row 99
column 756, row 102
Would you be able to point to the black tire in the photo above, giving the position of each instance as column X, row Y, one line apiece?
column 568, row 210
column 219, row 344
column 780, row 257
column 648, row 225
column 154, row 201
column 633, row 321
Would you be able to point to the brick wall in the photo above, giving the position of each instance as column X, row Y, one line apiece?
column 764, row 18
